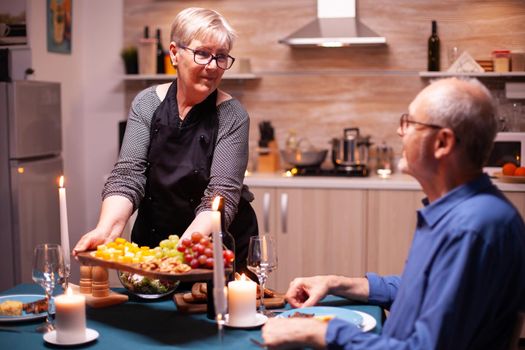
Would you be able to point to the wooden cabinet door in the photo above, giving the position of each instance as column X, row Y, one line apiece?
column 391, row 226
column 318, row 231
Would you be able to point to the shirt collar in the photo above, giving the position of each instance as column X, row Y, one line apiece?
column 433, row 212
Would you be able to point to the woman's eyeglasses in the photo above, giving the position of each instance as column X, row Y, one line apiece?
column 204, row 57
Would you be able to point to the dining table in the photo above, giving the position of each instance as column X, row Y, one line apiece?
column 151, row 324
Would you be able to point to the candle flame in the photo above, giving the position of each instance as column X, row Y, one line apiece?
column 69, row 291
column 216, row 202
column 61, row 181
column 243, row 278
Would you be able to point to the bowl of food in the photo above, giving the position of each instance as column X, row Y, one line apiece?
column 146, row 287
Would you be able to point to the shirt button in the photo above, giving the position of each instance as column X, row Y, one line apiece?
column 153, row 230
column 150, row 198
column 202, row 138
column 192, row 200
column 156, row 130
column 195, row 171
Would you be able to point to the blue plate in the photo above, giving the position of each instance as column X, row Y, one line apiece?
column 25, row 298
column 343, row 314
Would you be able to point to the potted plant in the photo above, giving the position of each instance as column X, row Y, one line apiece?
column 130, row 57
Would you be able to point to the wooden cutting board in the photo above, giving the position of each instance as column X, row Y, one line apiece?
column 185, row 304
column 86, row 258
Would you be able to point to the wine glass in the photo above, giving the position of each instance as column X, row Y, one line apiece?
column 48, row 269
column 262, row 259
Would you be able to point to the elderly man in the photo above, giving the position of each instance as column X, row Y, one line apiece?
column 464, row 279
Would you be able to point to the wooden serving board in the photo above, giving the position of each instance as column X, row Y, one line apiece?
column 194, row 275
column 188, row 307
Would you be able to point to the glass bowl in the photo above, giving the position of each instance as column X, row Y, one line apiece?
column 146, row 287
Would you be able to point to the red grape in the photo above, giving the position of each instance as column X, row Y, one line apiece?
column 196, row 237
column 228, row 255
column 208, row 252
column 209, row 263
column 205, row 241
column 186, row 242
column 202, row 259
column 194, row 263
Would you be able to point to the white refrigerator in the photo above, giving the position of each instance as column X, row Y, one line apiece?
column 30, row 165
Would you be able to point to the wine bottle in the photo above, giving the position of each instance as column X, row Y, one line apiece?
column 433, row 49
column 160, row 54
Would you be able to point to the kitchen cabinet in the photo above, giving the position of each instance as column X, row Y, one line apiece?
column 318, row 231
column 391, row 224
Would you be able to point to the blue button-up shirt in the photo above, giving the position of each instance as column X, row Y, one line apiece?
column 463, row 282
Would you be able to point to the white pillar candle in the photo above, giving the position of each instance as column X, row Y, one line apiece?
column 219, row 298
column 241, row 302
column 70, row 317
column 64, row 231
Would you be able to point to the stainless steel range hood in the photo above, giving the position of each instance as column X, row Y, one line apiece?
column 336, row 25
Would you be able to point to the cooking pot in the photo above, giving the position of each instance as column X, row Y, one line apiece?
column 304, row 156
column 351, row 151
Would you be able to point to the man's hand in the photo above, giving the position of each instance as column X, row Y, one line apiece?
column 289, row 333
column 307, row 291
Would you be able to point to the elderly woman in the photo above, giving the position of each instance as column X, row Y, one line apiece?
column 185, row 143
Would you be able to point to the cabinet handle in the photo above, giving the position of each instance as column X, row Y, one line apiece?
column 266, row 212
column 284, row 212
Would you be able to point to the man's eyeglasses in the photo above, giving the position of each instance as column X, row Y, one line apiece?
column 404, row 123
column 204, row 57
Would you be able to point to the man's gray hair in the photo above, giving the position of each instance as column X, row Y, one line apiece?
column 465, row 106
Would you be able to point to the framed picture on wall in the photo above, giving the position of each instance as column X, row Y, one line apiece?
column 59, row 24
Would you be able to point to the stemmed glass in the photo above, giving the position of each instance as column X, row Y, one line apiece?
column 262, row 259
column 48, row 269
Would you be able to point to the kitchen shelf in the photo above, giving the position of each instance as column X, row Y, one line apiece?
column 171, row 77
column 474, row 75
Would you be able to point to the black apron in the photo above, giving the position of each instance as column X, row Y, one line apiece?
column 178, row 171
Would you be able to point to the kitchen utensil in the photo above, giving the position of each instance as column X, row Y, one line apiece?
column 304, row 155
column 351, row 152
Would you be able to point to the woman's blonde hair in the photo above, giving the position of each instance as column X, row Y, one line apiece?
column 201, row 24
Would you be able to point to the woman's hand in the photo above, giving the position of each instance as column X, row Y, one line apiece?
column 93, row 239
column 288, row 333
column 307, row 291
column 114, row 215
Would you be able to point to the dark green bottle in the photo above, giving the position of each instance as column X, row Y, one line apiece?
column 160, row 55
column 433, row 49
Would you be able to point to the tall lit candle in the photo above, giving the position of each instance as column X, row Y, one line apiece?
column 70, row 317
column 64, row 231
column 241, row 302
column 219, row 297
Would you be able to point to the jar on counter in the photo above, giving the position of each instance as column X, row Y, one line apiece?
column 501, row 60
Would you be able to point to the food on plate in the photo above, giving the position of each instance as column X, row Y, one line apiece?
column 36, row 307
column 520, row 171
column 508, row 169
column 322, row 318
column 298, row 314
column 11, row 308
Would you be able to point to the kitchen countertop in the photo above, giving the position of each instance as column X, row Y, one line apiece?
column 394, row 182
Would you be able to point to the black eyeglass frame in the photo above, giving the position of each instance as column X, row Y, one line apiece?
column 212, row 57
column 404, row 122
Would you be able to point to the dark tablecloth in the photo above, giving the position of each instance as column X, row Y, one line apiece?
column 142, row 324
